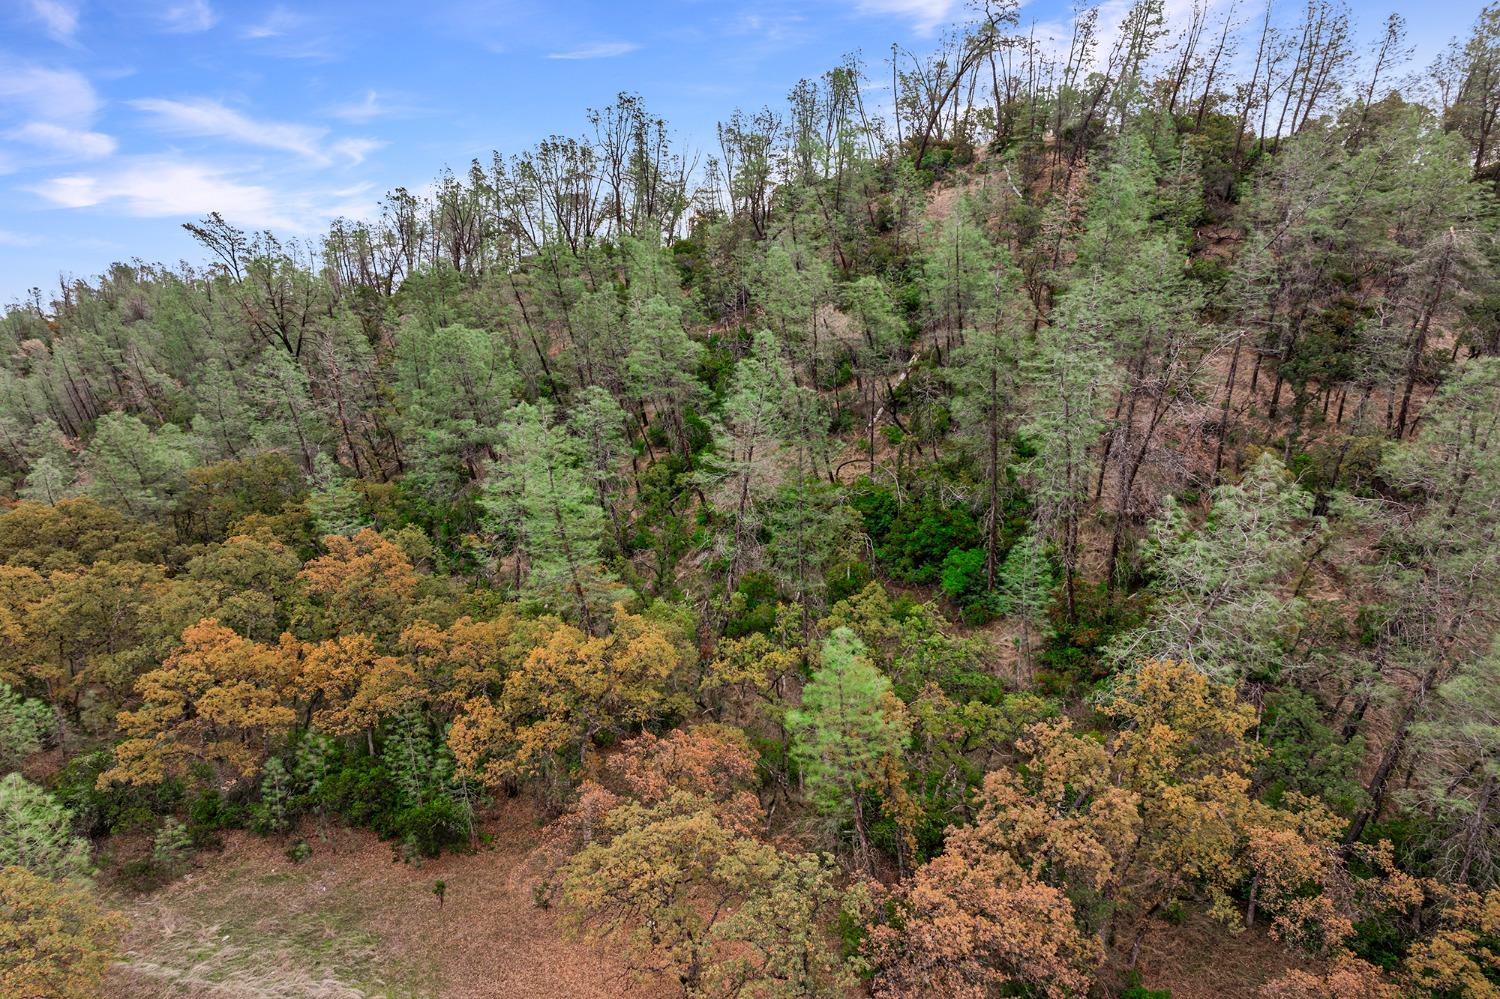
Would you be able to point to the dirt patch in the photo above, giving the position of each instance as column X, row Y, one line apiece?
column 353, row 922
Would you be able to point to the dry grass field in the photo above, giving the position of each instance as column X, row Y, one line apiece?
column 349, row 922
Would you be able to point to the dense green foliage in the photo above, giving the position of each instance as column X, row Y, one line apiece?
column 990, row 532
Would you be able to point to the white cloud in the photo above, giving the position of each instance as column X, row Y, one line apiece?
column 369, row 107
column 72, row 143
column 277, row 23
column 205, row 118
column 767, row 26
column 211, row 119
column 177, row 188
column 358, row 202
column 188, row 17
column 10, row 238
column 925, row 15
column 355, row 150
column 155, row 187
column 59, row 18
column 294, row 34
column 596, row 50
column 56, row 95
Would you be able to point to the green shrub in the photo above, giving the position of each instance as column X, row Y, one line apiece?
column 753, row 606
column 210, row 813
column 876, row 506
column 913, row 539
column 846, row 580
column 424, row 830
column 1135, row 990
column 115, row 808
column 170, row 845
column 964, row 582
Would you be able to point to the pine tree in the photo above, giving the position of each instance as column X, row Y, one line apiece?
column 134, row 468
column 1458, row 778
column 408, row 754
column 1069, row 376
column 1026, row 584
column 987, row 369
column 274, row 814
column 788, row 284
column 24, row 725
column 814, row 533
column 286, row 420
column 1441, row 571
column 1221, row 601
column 223, row 421
column 335, row 505
column 881, row 335
column 541, row 499
column 753, row 420
column 453, row 384
column 37, row 833
column 598, row 423
column 960, row 267
column 662, row 364
column 843, row 730
column 51, row 474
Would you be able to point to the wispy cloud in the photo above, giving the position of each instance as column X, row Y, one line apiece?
column 769, row 26
column 275, row 24
column 188, row 17
column 154, row 187
column 355, row 150
column 204, row 118
column 58, row 18
column 371, row 106
column 924, row 15
column 177, row 188
column 9, row 238
column 596, row 50
column 56, row 95
column 284, row 33
column 69, row 143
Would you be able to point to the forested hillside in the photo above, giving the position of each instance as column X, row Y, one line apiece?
column 907, row 550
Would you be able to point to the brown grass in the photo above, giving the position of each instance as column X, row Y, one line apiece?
column 352, row 922
column 1201, row 959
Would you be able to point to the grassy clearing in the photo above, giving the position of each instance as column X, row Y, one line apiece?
column 240, row 931
column 349, row 923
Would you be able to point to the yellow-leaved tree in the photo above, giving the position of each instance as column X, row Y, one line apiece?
column 219, row 700
column 1076, row 850
column 364, row 584
column 55, row 941
column 569, row 690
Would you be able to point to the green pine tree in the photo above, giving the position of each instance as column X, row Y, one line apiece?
column 843, row 730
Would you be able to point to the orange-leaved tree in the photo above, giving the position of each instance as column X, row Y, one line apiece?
column 364, row 584
column 723, row 913
column 569, row 690
column 1158, row 813
column 55, row 942
column 219, row 700
column 1008, row 899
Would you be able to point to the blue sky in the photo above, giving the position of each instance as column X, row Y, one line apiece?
column 121, row 119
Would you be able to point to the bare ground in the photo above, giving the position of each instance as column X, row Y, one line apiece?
column 352, row 922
